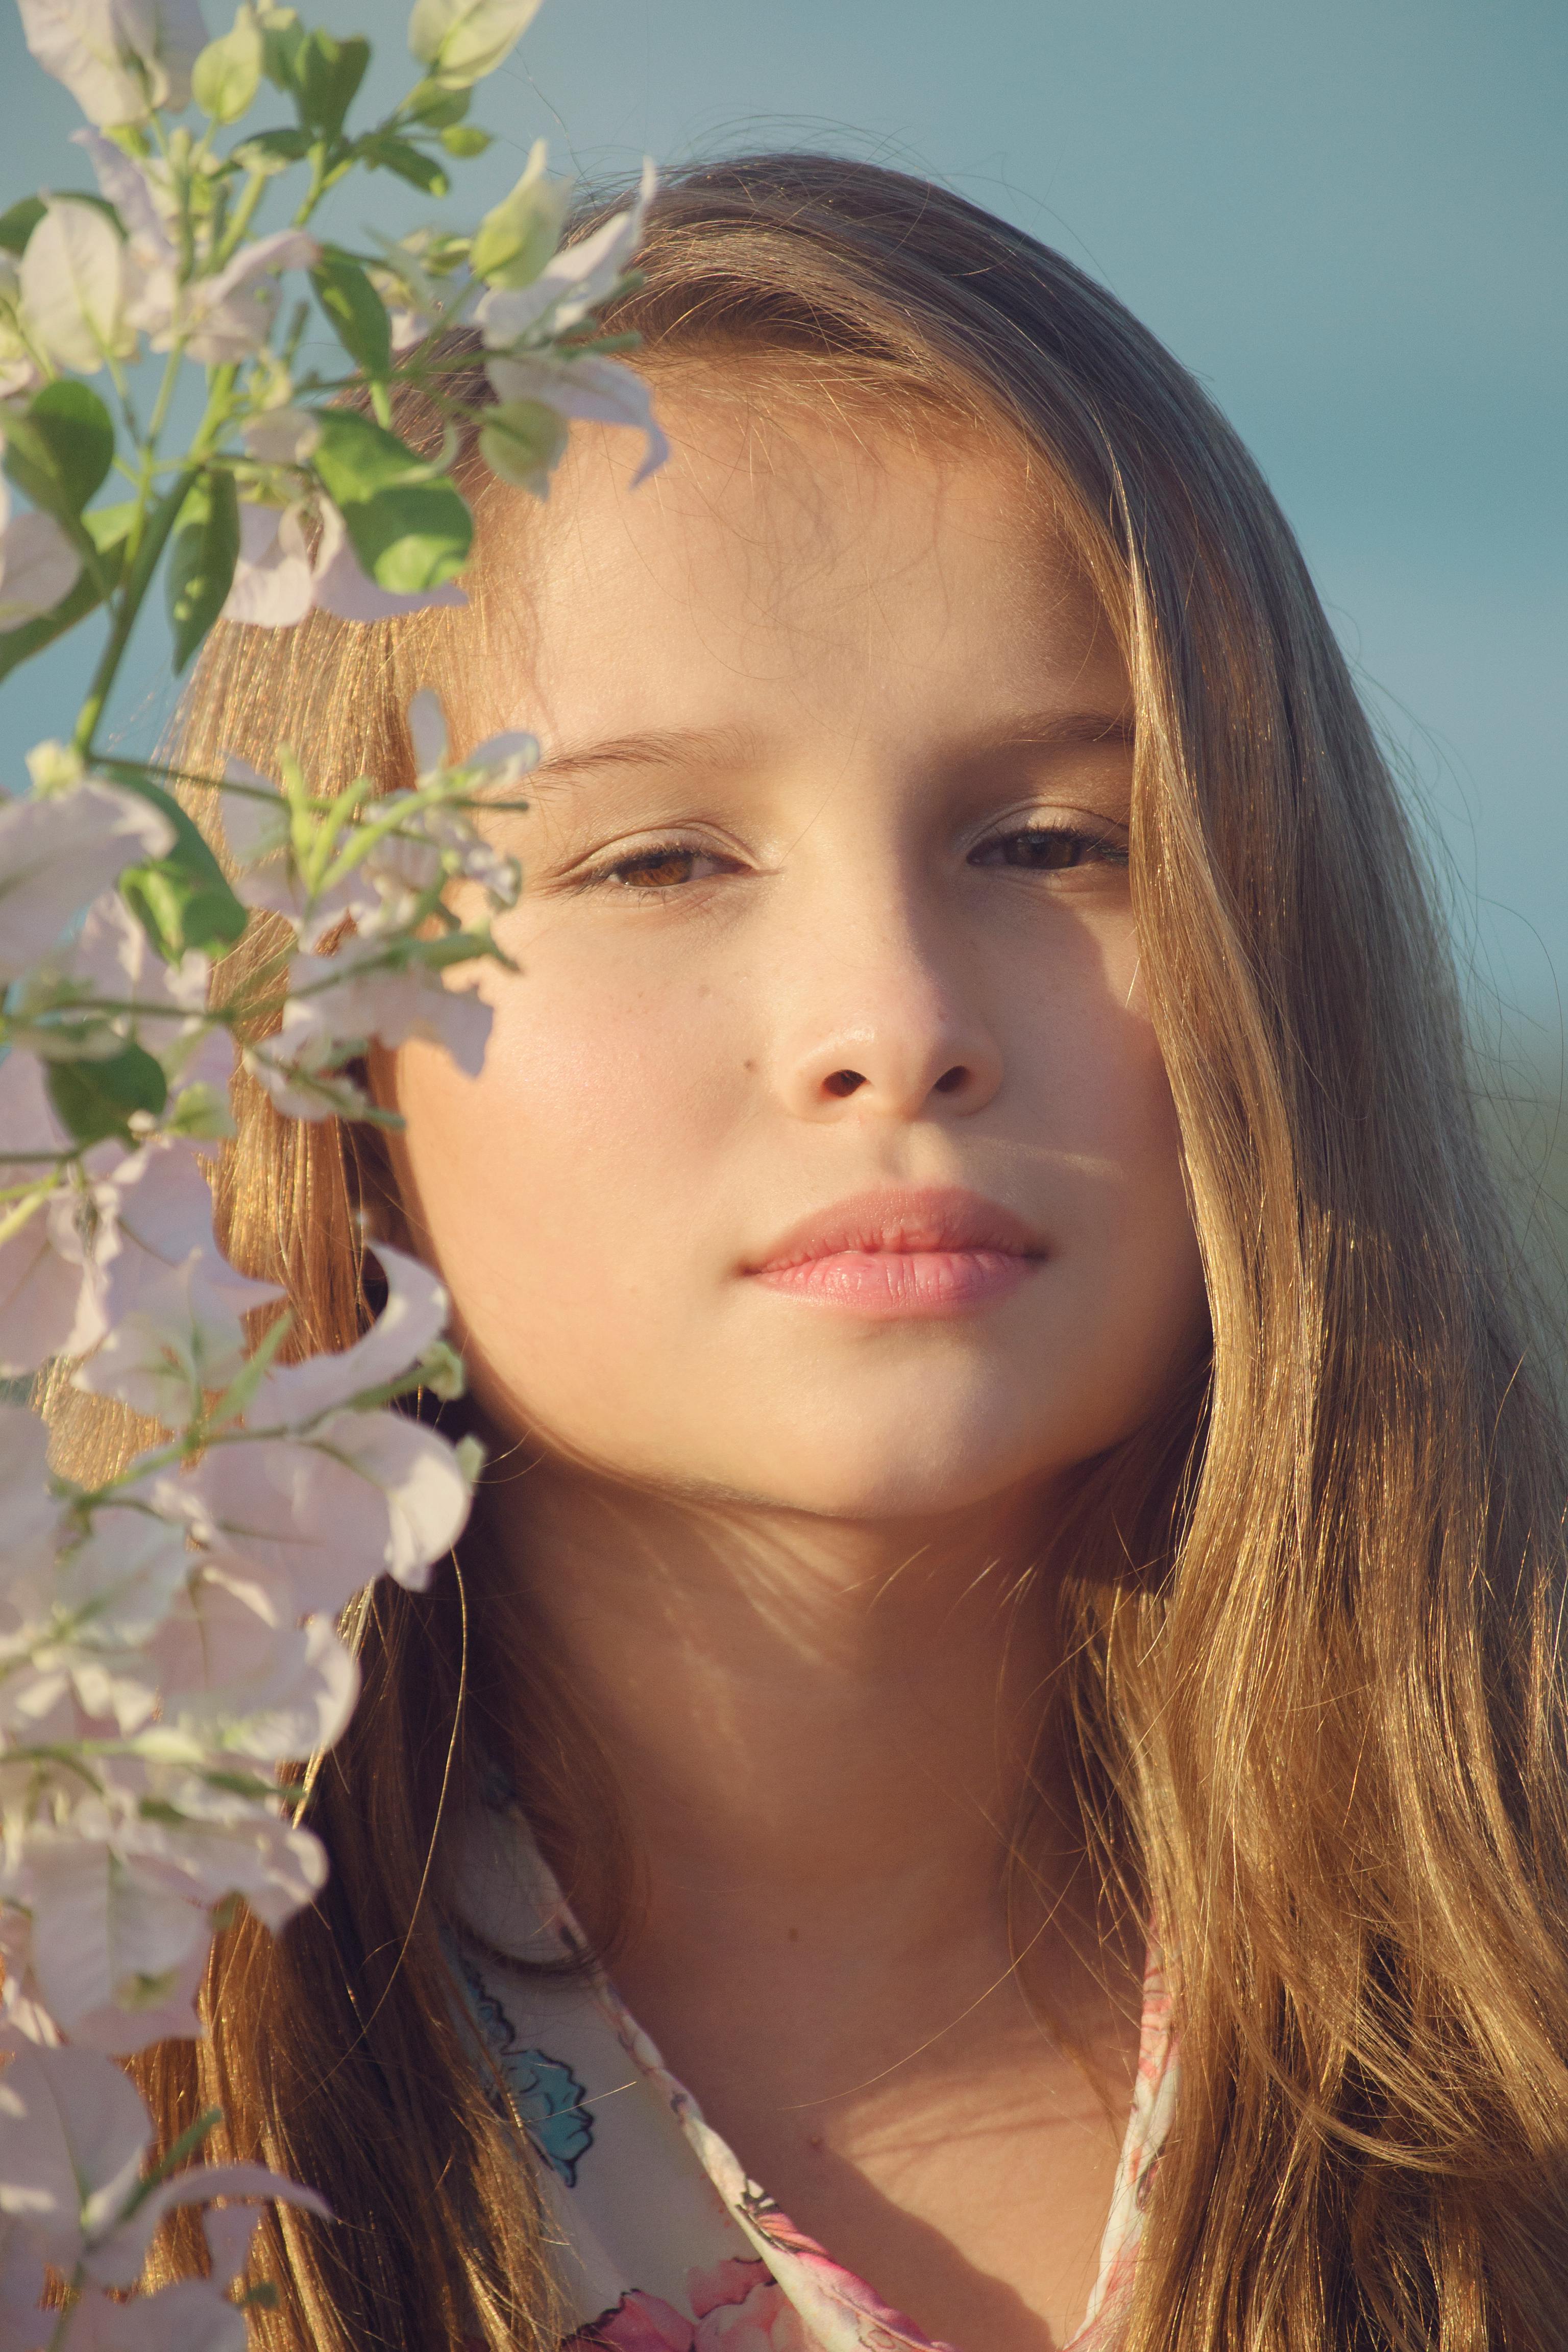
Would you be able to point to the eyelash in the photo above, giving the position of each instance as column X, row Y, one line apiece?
column 1090, row 848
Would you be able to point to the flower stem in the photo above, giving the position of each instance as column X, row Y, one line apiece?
column 153, row 539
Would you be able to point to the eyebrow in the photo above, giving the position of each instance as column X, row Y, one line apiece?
column 711, row 747
column 668, row 747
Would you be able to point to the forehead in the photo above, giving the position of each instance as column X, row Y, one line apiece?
column 785, row 559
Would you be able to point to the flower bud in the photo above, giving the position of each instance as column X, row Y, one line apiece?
column 513, row 243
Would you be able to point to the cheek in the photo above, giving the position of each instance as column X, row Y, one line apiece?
column 550, row 1185
column 1132, row 1270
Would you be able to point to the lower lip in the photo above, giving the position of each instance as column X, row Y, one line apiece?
column 889, row 1285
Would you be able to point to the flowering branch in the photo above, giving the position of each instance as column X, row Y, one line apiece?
column 168, row 1638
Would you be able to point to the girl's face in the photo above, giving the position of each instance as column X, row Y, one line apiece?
column 823, row 1156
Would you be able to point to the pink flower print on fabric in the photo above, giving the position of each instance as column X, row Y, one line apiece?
column 736, row 2307
column 741, row 2307
column 842, row 2309
column 638, row 2322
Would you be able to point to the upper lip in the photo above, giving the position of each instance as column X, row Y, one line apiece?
column 937, row 1217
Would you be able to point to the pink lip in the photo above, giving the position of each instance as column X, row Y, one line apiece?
column 896, row 1254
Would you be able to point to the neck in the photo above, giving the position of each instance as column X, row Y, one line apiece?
column 798, row 1714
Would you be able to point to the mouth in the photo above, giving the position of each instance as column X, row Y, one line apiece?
column 898, row 1254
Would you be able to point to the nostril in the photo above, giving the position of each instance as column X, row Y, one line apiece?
column 843, row 1082
column 951, row 1080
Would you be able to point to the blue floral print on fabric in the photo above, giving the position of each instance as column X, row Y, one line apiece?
column 550, row 2102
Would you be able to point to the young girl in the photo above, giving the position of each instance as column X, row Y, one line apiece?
column 1012, row 1623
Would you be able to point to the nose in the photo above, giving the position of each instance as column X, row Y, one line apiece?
column 880, row 1024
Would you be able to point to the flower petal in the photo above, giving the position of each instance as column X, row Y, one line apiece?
column 416, row 1313
column 57, row 851
column 73, row 281
column 273, row 583
column 597, row 389
column 39, row 566
column 342, row 587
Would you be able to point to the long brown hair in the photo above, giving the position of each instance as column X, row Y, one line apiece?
column 1315, row 1655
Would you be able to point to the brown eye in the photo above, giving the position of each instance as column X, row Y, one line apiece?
column 661, row 869
column 1041, row 849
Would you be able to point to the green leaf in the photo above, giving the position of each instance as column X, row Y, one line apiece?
column 181, row 901
column 60, row 447
column 409, row 527
column 517, row 238
column 327, row 73
column 282, row 38
column 428, row 104
column 227, row 74
column 273, row 151
column 96, row 1100
column 108, row 527
column 177, row 912
column 522, row 442
column 17, row 223
column 202, row 557
column 356, row 457
column 465, row 139
column 356, row 310
column 19, row 644
column 409, row 162
column 459, row 41
column 413, row 539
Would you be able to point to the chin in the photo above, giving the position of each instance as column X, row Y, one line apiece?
column 905, row 1476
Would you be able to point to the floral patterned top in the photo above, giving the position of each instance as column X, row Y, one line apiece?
column 665, row 2244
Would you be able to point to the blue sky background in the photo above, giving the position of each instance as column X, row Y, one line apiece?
column 1350, row 218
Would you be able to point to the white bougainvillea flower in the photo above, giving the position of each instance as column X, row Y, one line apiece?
column 104, row 1243
column 74, row 2132
column 418, row 301
column 277, row 580
column 274, row 580
column 342, row 587
column 229, row 316
column 183, row 1340
column 292, row 1396
column 119, row 59
column 82, row 1624
column 255, row 821
column 75, row 2135
column 573, row 282
column 163, row 1208
column 76, row 279
column 497, row 763
column 116, row 2258
column 218, row 318
column 343, row 1002
column 236, row 1675
column 173, row 1302
column 188, row 2316
column 39, row 565
column 57, row 851
column 458, row 42
column 55, row 1244
column 125, row 987
column 282, row 437
column 102, row 1908
column 379, row 893
column 368, row 1494
column 19, row 371
column 30, row 1516
column 595, row 389
column 141, row 196
column 113, row 1586
column 160, row 2012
